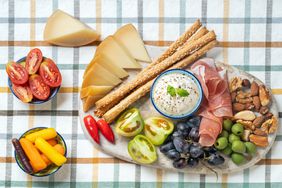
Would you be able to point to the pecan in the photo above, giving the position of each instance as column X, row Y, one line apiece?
column 258, row 121
column 254, row 89
column 235, row 84
column 243, row 95
column 250, row 106
column 264, row 95
column 261, row 141
column 246, row 83
column 245, row 115
column 256, row 102
column 263, row 110
column 245, row 100
column 237, row 107
column 233, row 96
column 247, row 124
column 260, row 132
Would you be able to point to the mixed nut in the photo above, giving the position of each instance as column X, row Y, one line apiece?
column 250, row 102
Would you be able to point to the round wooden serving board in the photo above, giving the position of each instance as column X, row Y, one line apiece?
column 119, row 150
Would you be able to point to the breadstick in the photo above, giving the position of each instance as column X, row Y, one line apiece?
column 110, row 115
column 114, row 97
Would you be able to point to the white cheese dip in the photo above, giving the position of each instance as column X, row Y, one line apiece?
column 176, row 105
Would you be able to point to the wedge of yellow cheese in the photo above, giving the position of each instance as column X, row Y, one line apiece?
column 107, row 64
column 94, row 90
column 128, row 37
column 110, row 49
column 64, row 30
column 99, row 76
column 89, row 102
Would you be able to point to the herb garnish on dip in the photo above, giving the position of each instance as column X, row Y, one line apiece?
column 176, row 93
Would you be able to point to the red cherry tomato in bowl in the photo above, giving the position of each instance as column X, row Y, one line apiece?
column 50, row 73
column 38, row 87
column 33, row 61
column 23, row 92
column 16, row 73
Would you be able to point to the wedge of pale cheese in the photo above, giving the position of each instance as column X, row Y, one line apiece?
column 107, row 64
column 89, row 102
column 110, row 49
column 64, row 30
column 99, row 76
column 95, row 90
column 128, row 37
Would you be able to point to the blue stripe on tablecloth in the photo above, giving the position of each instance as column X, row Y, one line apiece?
column 211, row 20
column 10, row 101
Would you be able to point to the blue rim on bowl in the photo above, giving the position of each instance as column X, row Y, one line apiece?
column 51, row 169
column 197, row 106
column 53, row 91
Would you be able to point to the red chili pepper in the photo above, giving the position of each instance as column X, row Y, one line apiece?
column 106, row 130
column 92, row 128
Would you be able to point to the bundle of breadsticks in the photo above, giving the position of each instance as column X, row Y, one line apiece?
column 190, row 46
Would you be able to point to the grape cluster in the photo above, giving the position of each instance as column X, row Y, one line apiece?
column 183, row 148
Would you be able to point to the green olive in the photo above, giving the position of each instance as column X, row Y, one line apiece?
column 237, row 129
column 221, row 143
column 238, row 158
column 233, row 137
column 224, row 133
column 238, row 146
column 251, row 148
column 227, row 151
column 227, row 124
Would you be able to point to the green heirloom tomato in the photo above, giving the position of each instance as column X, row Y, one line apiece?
column 142, row 150
column 157, row 129
column 130, row 123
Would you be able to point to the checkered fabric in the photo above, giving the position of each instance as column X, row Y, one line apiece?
column 250, row 35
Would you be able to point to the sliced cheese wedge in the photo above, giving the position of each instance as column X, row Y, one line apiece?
column 99, row 76
column 64, row 30
column 107, row 64
column 94, row 90
column 110, row 49
column 89, row 102
column 128, row 37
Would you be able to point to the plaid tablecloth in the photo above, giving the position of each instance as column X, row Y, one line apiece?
column 250, row 35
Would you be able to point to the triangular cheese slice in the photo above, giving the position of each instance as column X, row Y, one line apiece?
column 64, row 30
column 114, row 52
column 107, row 64
column 99, row 76
column 130, row 39
column 94, row 90
column 89, row 102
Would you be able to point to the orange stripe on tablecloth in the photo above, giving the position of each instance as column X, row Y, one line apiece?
column 225, row 44
column 104, row 160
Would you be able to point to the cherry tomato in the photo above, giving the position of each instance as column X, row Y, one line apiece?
column 130, row 123
column 157, row 129
column 142, row 150
column 106, row 130
column 23, row 92
column 92, row 128
column 50, row 73
column 16, row 73
column 38, row 88
column 33, row 60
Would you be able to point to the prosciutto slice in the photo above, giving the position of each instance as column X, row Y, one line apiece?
column 217, row 99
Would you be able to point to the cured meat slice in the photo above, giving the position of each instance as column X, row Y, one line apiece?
column 217, row 101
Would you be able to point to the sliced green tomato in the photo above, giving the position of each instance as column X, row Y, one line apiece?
column 142, row 150
column 157, row 129
column 130, row 123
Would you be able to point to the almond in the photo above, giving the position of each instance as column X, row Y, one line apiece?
column 245, row 115
column 256, row 102
column 237, row 107
column 250, row 106
column 264, row 95
column 258, row 121
column 246, row 83
column 254, row 89
column 260, row 132
column 268, row 115
column 243, row 95
column 263, row 110
column 261, row 141
column 245, row 100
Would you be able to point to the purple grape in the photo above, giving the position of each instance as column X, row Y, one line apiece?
column 196, row 120
column 194, row 134
column 166, row 147
column 181, row 145
column 209, row 150
column 192, row 162
column 180, row 163
column 196, row 151
column 173, row 154
column 177, row 134
column 215, row 159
